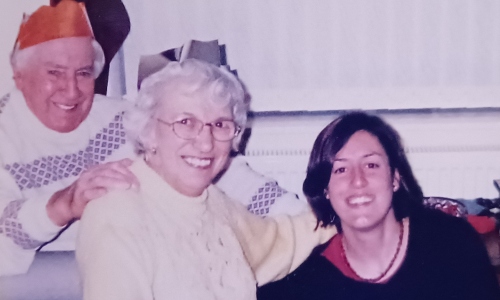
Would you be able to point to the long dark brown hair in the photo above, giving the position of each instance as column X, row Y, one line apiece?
column 332, row 139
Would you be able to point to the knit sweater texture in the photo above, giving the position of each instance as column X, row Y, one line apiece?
column 156, row 243
column 36, row 162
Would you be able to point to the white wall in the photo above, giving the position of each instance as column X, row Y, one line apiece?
column 337, row 54
column 11, row 13
column 322, row 54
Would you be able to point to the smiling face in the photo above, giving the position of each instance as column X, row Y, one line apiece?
column 361, row 184
column 58, row 82
column 189, row 166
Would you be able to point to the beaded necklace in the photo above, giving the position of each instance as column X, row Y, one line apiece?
column 376, row 279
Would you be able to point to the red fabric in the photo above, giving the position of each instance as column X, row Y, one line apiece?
column 333, row 254
column 67, row 19
column 482, row 224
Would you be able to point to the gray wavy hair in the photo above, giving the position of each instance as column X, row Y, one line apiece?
column 19, row 59
column 192, row 74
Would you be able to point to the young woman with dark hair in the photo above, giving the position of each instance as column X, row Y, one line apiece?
column 389, row 246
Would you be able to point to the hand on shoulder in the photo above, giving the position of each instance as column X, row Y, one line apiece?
column 68, row 204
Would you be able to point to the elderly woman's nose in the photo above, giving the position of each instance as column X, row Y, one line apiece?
column 205, row 140
column 358, row 177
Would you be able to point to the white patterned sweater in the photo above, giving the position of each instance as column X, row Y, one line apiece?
column 36, row 162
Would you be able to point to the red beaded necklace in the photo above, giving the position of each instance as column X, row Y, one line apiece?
column 377, row 279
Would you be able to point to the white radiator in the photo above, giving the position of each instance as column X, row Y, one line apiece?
column 453, row 155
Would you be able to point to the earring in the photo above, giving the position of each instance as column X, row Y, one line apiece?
column 332, row 219
column 147, row 154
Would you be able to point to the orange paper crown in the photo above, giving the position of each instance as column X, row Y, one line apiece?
column 67, row 19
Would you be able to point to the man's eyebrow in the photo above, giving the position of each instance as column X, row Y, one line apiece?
column 54, row 65
column 88, row 68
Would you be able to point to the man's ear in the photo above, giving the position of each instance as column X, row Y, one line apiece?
column 396, row 181
column 18, row 79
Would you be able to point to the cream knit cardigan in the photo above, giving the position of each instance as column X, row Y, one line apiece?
column 158, row 244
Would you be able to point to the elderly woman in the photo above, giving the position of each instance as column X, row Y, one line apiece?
column 390, row 246
column 178, row 236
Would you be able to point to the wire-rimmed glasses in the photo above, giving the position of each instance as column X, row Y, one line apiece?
column 189, row 128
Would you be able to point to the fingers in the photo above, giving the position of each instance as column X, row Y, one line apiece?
column 97, row 180
column 126, row 162
column 69, row 203
column 79, row 203
column 94, row 193
column 109, row 178
column 110, row 175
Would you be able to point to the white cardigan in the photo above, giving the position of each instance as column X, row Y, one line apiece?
column 158, row 244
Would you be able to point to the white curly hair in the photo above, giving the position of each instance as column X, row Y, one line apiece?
column 20, row 59
column 221, row 85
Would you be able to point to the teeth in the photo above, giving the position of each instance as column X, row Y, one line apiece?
column 359, row 200
column 198, row 162
column 65, row 107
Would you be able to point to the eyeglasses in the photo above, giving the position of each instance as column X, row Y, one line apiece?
column 190, row 128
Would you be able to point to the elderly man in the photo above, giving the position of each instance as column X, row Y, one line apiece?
column 61, row 146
